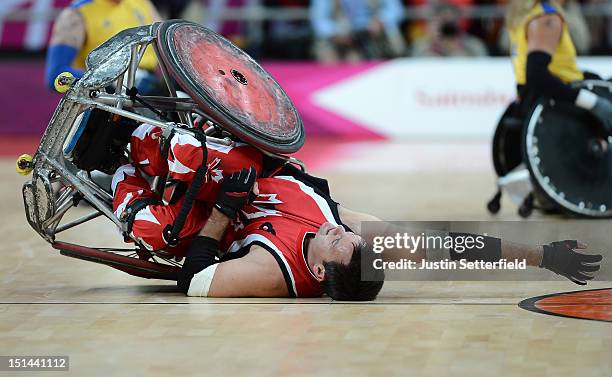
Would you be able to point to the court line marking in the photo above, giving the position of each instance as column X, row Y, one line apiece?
column 257, row 303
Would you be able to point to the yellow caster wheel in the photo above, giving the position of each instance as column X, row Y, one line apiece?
column 24, row 164
column 63, row 82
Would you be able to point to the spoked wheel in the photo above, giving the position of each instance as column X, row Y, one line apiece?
column 133, row 261
column 570, row 157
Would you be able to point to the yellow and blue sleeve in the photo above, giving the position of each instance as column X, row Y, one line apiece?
column 60, row 58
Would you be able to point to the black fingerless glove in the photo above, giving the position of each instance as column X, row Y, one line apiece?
column 560, row 258
column 235, row 192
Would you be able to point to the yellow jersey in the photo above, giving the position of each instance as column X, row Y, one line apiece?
column 563, row 64
column 104, row 18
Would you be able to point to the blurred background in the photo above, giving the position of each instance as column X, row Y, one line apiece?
column 417, row 84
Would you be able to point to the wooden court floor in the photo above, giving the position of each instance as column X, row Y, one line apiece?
column 109, row 323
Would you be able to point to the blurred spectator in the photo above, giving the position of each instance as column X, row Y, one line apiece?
column 418, row 28
column 577, row 24
column 287, row 39
column 600, row 28
column 86, row 24
column 237, row 31
column 171, row 9
column 445, row 35
column 354, row 30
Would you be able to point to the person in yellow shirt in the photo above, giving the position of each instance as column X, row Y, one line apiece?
column 544, row 57
column 86, row 24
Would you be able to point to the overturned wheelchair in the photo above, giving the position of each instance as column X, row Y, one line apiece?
column 557, row 159
column 234, row 98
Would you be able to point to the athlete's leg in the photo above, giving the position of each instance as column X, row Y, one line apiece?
column 185, row 156
column 149, row 222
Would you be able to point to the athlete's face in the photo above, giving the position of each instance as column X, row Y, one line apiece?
column 336, row 244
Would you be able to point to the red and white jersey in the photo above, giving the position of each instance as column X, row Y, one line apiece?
column 185, row 157
column 286, row 211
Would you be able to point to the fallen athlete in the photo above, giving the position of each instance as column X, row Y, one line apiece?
column 260, row 231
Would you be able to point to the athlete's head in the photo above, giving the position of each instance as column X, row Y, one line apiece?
column 335, row 258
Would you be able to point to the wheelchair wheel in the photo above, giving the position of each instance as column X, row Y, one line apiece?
column 132, row 261
column 570, row 157
column 507, row 141
column 235, row 91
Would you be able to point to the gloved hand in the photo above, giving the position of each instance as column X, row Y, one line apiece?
column 235, row 192
column 603, row 112
column 560, row 258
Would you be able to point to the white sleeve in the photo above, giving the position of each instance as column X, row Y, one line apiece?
column 200, row 283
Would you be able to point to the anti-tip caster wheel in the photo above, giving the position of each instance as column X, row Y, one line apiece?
column 24, row 165
column 63, row 82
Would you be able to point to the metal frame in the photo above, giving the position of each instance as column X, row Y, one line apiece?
column 71, row 184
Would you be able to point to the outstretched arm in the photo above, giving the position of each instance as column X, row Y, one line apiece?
column 563, row 258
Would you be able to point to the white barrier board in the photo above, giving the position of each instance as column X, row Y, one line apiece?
column 432, row 98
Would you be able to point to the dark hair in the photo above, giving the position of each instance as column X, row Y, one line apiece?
column 343, row 281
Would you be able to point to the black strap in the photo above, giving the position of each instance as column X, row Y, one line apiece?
column 171, row 233
column 133, row 94
column 133, row 209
